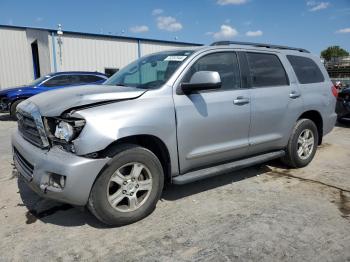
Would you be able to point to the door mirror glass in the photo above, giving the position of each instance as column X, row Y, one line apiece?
column 202, row 80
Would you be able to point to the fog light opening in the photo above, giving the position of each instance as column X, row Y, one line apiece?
column 57, row 181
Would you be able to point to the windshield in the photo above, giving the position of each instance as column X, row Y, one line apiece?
column 39, row 80
column 149, row 72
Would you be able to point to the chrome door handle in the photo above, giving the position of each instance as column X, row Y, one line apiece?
column 241, row 100
column 294, row 94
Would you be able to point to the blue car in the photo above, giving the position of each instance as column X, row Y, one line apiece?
column 10, row 98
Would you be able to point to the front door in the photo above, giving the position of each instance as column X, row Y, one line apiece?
column 213, row 125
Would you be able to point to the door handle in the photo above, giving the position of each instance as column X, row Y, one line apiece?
column 241, row 100
column 294, row 94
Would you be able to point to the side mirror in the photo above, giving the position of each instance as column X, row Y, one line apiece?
column 202, row 80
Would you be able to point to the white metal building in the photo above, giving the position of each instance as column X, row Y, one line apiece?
column 27, row 53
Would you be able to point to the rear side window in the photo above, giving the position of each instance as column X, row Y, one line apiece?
column 266, row 70
column 306, row 69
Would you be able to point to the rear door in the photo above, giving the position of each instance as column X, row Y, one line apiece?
column 315, row 87
column 213, row 125
column 275, row 101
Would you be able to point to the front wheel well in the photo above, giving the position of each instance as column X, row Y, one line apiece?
column 13, row 105
column 152, row 143
column 315, row 117
column 16, row 99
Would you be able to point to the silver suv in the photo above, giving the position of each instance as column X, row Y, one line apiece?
column 176, row 116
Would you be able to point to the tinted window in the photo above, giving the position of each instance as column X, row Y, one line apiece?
column 224, row 63
column 306, row 69
column 266, row 70
column 111, row 71
column 89, row 79
column 62, row 80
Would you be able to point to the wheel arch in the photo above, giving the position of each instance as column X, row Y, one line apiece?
column 151, row 142
column 15, row 99
column 315, row 117
column 11, row 104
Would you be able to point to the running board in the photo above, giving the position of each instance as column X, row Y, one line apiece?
column 224, row 168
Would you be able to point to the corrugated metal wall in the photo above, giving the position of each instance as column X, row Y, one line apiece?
column 81, row 52
column 78, row 52
column 88, row 53
column 153, row 47
column 15, row 58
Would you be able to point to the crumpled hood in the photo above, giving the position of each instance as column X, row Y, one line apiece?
column 55, row 102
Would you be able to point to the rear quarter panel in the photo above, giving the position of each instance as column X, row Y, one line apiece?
column 319, row 97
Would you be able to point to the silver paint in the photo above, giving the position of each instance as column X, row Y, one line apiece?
column 199, row 130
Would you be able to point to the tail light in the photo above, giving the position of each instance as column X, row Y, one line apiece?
column 334, row 91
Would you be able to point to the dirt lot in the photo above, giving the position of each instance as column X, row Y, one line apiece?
column 262, row 213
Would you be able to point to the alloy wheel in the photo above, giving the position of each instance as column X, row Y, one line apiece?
column 306, row 143
column 129, row 187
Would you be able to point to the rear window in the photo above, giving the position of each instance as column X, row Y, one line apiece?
column 266, row 70
column 306, row 69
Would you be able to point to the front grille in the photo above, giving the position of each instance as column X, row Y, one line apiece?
column 25, row 167
column 29, row 130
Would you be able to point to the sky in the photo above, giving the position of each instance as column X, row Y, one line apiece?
column 310, row 24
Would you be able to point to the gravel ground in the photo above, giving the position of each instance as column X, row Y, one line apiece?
column 263, row 213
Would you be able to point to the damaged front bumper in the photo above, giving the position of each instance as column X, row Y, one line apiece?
column 55, row 173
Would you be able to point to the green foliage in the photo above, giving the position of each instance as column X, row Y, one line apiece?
column 333, row 51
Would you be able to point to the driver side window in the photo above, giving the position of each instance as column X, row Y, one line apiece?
column 225, row 63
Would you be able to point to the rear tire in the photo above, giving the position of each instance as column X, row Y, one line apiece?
column 14, row 107
column 302, row 144
column 119, row 196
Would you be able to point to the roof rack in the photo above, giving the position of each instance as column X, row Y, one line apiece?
column 260, row 45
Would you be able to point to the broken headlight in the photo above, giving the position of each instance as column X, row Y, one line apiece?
column 62, row 131
column 68, row 130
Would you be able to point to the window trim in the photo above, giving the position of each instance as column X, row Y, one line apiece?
column 201, row 55
column 250, row 77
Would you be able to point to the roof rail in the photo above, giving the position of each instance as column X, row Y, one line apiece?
column 260, row 45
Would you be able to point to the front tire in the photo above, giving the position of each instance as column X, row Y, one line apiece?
column 129, row 188
column 14, row 107
column 302, row 144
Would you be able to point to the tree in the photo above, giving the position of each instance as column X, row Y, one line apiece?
column 333, row 51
